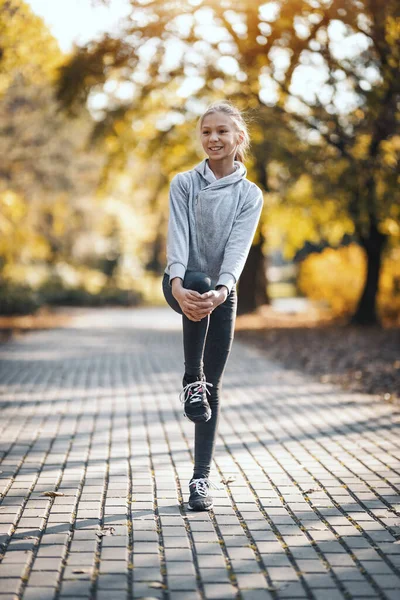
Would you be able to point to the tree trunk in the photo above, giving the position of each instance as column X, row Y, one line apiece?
column 366, row 313
column 252, row 291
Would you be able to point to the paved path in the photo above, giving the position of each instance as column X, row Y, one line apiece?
column 309, row 474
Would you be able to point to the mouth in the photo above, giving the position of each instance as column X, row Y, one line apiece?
column 216, row 148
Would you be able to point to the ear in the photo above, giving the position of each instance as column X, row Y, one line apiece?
column 240, row 137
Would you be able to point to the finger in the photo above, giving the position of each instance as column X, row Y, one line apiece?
column 194, row 294
column 202, row 302
column 198, row 306
column 192, row 316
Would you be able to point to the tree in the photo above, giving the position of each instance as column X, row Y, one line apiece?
column 46, row 173
column 352, row 153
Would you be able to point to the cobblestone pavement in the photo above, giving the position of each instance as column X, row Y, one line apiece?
column 96, row 458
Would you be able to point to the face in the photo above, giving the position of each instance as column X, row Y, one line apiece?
column 219, row 136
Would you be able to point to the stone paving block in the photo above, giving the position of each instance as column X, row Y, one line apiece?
column 208, row 548
column 251, row 580
column 10, row 585
column 219, row 591
column 76, row 559
column 75, row 588
column 112, row 581
column 46, row 564
column 147, row 574
column 262, row 594
column 311, row 566
column 289, row 590
column 176, row 542
column 105, row 595
column 211, row 561
column 143, row 590
column 39, row 593
column 146, row 560
column 388, row 582
column 392, row 594
column 43, row 578
column 83, row 546
column 327, row 594
column 181, row 582
column 186, row 595
column 241, row 552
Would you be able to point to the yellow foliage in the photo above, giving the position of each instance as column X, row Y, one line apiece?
column 28, row 48
column 337, row 277
column 360, row 148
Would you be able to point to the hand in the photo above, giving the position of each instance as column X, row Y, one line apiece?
column 197, row 306
column 192, row 303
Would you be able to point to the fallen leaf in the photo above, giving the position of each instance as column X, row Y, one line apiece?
column 311, row 490
column 318, row 526
column 80, row 571
column 156, row 584
column 52, row 494
column 227, row 480
column 105, row 531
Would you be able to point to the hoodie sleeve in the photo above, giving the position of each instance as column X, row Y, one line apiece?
column 178, row 229
column 240, row 240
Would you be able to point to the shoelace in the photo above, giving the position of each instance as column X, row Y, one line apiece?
column 202, row 485
column 197, row 395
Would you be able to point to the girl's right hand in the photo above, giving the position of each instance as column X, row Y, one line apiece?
column 192, row 304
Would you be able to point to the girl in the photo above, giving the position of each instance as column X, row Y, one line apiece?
column 214, row 212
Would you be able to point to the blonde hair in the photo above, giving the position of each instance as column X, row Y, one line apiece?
column 238, row 120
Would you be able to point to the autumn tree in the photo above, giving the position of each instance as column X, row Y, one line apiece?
column 328, row 72
column 47, row 176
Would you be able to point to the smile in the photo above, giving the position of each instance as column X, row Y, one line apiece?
column 216, row 148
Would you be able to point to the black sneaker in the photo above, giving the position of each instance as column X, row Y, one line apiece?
column 200, row 498
column 193, row 397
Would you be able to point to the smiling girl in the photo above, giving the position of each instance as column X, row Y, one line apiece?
column 214, row 213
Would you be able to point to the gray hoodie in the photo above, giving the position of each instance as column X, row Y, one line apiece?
column 212, row 223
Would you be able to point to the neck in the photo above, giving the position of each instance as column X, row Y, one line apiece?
column 222, row 168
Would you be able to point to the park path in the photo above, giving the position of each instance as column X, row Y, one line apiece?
column 309, row 503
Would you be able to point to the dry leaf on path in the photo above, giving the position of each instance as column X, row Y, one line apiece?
column 227, row 480
column 105, row 531
column 156, row 584
column 52, row 494
column 311, row 490
column 80, row 571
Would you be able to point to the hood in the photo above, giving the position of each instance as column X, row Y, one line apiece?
column 206, row 173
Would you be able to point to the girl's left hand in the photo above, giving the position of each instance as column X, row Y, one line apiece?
column 216, row 297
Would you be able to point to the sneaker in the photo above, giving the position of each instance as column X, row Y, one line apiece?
column 200, row 498
column 193, row 397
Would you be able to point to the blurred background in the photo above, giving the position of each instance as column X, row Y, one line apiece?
column 98, row 106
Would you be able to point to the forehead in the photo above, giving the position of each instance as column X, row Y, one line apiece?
column 217, row 119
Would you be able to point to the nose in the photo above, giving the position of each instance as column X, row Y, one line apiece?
column 214, row 136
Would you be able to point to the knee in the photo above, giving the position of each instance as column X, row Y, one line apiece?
column 195, row 280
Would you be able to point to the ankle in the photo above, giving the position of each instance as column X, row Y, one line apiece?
column 192, row 378
column 199, row 476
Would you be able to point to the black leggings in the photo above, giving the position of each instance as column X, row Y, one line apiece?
column 207, row 345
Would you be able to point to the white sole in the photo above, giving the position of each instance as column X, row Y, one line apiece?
column 202, row 510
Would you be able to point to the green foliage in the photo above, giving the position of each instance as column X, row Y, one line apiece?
column 55, row 292
column 18, row 299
